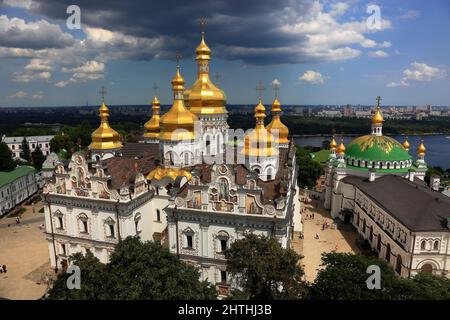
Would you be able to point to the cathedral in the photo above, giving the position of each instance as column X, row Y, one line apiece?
column 373, row 184
column 192, row 183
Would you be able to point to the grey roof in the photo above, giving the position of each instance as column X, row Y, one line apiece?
column 29, row 139
column 416, row 206
column 141, row 149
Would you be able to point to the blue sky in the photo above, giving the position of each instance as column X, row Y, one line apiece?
column 322, row 52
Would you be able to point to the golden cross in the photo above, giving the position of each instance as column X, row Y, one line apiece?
column 203, row 24
column 103, row 93
column 276, row 88
column 260, row 89
column 155, row 88
column 378, row 101
column 178, row 58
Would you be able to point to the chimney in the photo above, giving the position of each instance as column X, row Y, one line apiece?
column 435, row 182
column 372, row 173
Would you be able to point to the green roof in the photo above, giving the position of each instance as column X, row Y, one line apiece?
column 320, row 156
column 376, row 148
column 8, row 177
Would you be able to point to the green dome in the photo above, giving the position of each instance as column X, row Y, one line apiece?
column 376, row 148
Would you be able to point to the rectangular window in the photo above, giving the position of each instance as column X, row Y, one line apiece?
column 223, row 245
column 223, row 276
column 189, row 242
column 111, row 230
column 63, row 249
column 158, row 215
column 60, row 223
column 85, row 226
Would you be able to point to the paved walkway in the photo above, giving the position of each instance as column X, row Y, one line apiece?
column 24, row 251
column 329, row 239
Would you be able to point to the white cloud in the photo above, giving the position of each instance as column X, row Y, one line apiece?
column 24, row 4
column 29, row 76
column 18, row 33
column 39, row 65
column 385, row 44
column 38, row 96
column 378, row 54
column 312, row 77
column 90, row 70
column 338, row 8
column 18, row 95
column 411, row 14
column 419, row 72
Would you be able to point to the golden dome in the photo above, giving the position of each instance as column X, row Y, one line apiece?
column 104, row 137
column 160, row 173
column 152, row 127
column 204, row 97
column 333, row 144
column 406, row 144
column 276, row 126
column 377, row 117
column 259, row 142
column 177, row 123
column 421, row 149
column 341, row 148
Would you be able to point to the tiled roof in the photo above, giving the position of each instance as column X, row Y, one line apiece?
column 11, row 176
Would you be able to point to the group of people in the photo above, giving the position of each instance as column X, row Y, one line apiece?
column 2, row 268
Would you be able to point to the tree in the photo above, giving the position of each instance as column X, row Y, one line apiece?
column 38, row 158
column 137, row 270
column 25, row 154
column 309, row 170
column 264, row 270
column 344, row 277
column 60, row 142
column 94, row 275
column 6, row 161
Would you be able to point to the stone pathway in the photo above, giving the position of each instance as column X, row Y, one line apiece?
column 23, row 249
column 339, row 240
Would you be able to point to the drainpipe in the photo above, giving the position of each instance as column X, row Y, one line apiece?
column 412, row 254
column 175, row 215
column 51, row 227
column 117, row 218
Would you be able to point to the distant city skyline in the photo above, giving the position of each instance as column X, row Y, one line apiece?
column 321, row 52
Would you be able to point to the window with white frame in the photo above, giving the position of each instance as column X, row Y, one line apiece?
column 83, row 223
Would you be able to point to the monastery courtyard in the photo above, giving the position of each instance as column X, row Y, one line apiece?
column 330, row 239
column 24, row 251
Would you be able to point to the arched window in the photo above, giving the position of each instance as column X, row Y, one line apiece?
column 83, row 223
column 371, row 234
column 188, row 242
column 428, row 268
column 219, row 143
column 222, row 241
column 187, row 159
column 364, row 227
column 158, row 215
column 436, row 245
column 257, row 170
column 207, row 144
column 423, row 245
column 137, row 223
column 269, row 174
column 388, row 252
column 398, row 265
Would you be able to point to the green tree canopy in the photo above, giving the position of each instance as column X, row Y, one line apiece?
column 25, row 153
column 137, row 270
column 38, row 158
column 61, row 142
column 6, row 161
column 264, row 270
column 309, row 170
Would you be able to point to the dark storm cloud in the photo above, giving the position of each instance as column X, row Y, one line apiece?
column 231, row 24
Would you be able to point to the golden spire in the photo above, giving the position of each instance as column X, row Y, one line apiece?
column 276, row 126
column 104, row 137
column 259, row 142
column 341, row 148
column 152, row 127
column 204, row 97
column 406, row 144
column 178, row 123
column 421, row 150
column 377, row 117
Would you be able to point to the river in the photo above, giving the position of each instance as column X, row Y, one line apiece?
column 438, row 146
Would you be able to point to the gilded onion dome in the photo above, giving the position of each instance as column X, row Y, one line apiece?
column 105, row 137
column 160, row 173
column 341, row 148
column 406, row 144
column 276, row 127
column 178, row 123
column 333, row 144
column 421, row 149
column 259, row 142
column 377, row 117
column 204, row 97
column 152, row 127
